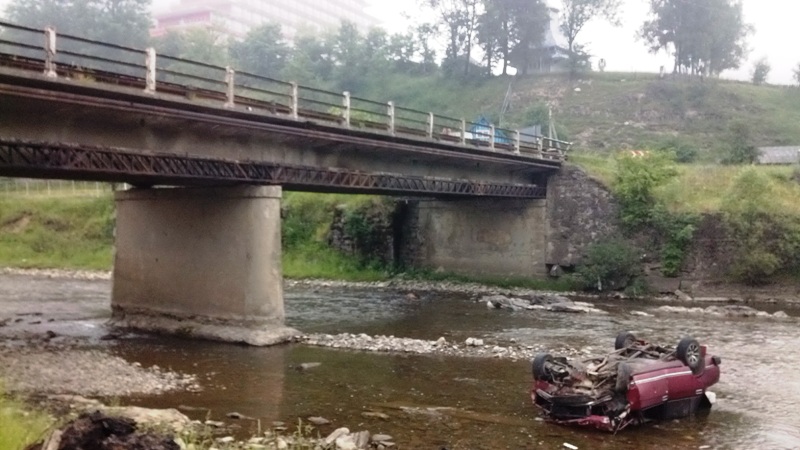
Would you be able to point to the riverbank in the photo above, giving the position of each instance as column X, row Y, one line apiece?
column 719, row 293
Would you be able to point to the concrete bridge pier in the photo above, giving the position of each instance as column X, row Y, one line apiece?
column 200, row 262
column 484, row 237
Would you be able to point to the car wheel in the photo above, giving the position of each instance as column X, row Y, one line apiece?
column 623, row 381
column 540, row 371
column 688, row 351
column 624, row 340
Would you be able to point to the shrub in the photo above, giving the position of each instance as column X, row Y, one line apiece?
column 610, row 265
column 635, row 183
column 739, row 148
column 767, row 241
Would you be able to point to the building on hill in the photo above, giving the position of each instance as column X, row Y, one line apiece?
column 552, row 53
column 778, row 155
column 234, row 18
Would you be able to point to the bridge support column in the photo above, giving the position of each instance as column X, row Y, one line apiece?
column 489, row 237
column 200, row 262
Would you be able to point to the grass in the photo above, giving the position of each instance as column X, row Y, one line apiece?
column 19, row 425
column 610, row 111
column 701, row 188
column 65, row 232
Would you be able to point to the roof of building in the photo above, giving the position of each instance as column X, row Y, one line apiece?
column 553, row 36
column 779, row 155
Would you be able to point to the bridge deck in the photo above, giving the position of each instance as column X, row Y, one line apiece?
column 301, row 118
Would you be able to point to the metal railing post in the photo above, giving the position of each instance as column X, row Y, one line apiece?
column 391, row 118
column 295, row 101
column 346, row 104
column 516, row 142
column 230, row 80
column 463, row 131
column 491, row 136
column 431, row 118
column 150, row 76
column 50, row 52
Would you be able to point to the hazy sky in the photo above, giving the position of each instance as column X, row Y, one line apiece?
column 775, row 22
column 776, row 35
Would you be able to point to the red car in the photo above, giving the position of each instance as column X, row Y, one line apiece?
column 635, row 383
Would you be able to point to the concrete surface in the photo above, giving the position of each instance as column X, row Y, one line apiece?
column 483, row 237
column 200, row 262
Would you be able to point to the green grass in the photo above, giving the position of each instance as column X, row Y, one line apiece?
column 314, row 260
column 701, row 188
column 64, row 232
column 611, row 111
column 19, row 425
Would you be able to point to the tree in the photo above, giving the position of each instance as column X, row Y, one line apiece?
column 528, row 21
column 423, row 35
column 262, row 52
column 493, row 32
column 740, row 148
column 311, row 60
column 122, row 22
column 204, row 45
column 761, row 71
column 797, row 74
column 577, row 13
column 459, row 18
column 705, row 37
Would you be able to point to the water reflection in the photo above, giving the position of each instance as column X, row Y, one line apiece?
column 435, row 402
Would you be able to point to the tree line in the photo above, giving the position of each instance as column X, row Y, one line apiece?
column 478, row 38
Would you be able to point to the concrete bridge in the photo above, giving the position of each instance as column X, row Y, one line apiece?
column 209, row 151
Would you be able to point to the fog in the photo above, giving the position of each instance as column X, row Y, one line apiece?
column 775, row 23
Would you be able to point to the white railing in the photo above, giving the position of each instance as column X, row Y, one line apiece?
column 79, row 58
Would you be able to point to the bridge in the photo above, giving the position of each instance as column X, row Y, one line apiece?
column 209, row 150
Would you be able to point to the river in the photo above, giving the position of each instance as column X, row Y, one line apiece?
column 436, row 402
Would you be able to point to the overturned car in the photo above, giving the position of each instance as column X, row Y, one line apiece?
column 637, row 382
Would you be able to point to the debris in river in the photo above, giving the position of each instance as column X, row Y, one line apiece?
column 635, row 383
column 544, row 302
column 97, row 431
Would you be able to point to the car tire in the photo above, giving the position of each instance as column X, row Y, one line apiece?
column 624, row 340
column 539, row 366
column 623, row 381
column 688, row 352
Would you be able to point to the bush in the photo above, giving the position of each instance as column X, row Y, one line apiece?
column 683, row 152
column 609, row 266
column 767, row 240
column 635, row 183
column 739, row 148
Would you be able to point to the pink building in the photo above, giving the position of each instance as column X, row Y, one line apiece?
column 236, row 17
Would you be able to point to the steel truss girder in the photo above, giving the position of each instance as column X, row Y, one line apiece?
column 68, row 161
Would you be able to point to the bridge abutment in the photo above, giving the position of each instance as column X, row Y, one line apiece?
column 200, row 262
column 484, row 237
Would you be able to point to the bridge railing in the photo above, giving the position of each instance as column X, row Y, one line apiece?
column 84, row 59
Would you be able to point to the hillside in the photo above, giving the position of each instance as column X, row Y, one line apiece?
column 613, row 110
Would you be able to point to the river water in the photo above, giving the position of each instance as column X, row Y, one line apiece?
column 436, row 402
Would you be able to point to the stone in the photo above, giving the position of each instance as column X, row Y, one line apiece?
column 319, row 420
column 226, row 440
column 361, row 439
column 346, row 443
column 780, row 315
column 375, row 415
column 381, row 437
column 336, row 434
